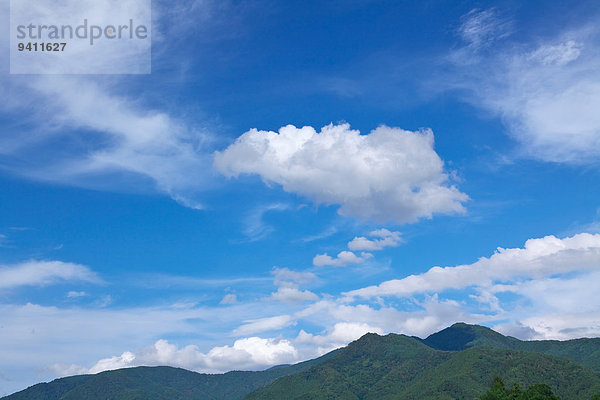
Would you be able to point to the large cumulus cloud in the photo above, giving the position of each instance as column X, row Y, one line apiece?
column 388, row 175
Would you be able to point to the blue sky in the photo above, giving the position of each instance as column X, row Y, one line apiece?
column 292, row 175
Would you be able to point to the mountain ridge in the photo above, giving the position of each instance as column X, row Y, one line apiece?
column 232, row 385
column 456, row 362
column 401, row 367
column 461, row 336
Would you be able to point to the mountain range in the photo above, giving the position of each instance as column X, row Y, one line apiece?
column 459, row 362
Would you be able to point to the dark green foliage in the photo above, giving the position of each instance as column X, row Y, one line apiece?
column 538, row 391
column 50, row 391
column 498, row 391
column 457, row 337
column 372, row 367
column 400, row 367
column 456, row 363
column 461, row 336
column 158, row 383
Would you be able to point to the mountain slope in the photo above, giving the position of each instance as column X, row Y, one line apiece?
column 469, row 372
column 462, row 336
column 458, row 362
column 352, row 373
column 400, row 367
column 159, row 383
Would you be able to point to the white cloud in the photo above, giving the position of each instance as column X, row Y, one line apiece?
column 562, row 326
column 563, row 294
column 423, row 317
column 480, row 28
column 74, row 294
column 537, row 259
column 321, row 235
column 387, row 239
column 106, row 136
column 286, row 277
column 229, row 299
column 292, row 295
column 251, row 327
column 107, row 139
column 61, row 370
column 547, row 93
column 341, row 260
column 148, row 143
column 3, row 240
column 252, row 352
column 288, row 283
column 338, row 335
column 245, row 354
column 44, row 273
column 551, row 281
column 382, row 238
column 182, row 281
column 559, row 54
column 123, row 361
column 344, row 323
column 34, row 336
column 255, row 226
column 388, row 175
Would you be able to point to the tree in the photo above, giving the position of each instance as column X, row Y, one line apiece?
column 541, row 391
column 515, row 393
column 497, row 391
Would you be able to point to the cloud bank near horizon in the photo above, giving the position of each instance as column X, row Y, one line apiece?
column 551, row 282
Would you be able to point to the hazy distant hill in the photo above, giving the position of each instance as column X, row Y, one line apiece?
column 458, row 362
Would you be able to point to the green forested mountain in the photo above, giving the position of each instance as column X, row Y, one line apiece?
column 159, row 383
column 461, row 336
column 539, row 391
column 401, row 367
column 459, row 362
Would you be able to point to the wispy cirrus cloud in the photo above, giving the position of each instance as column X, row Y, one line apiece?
column 545, row 90
column 263, row 325
column 479, row 28
column 85, row 131
column 255, row 227
column 44, row 273
column 104, row 135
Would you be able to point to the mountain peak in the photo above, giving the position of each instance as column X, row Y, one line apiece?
column 374, row 366
column 461, row 336
column 403, row 367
